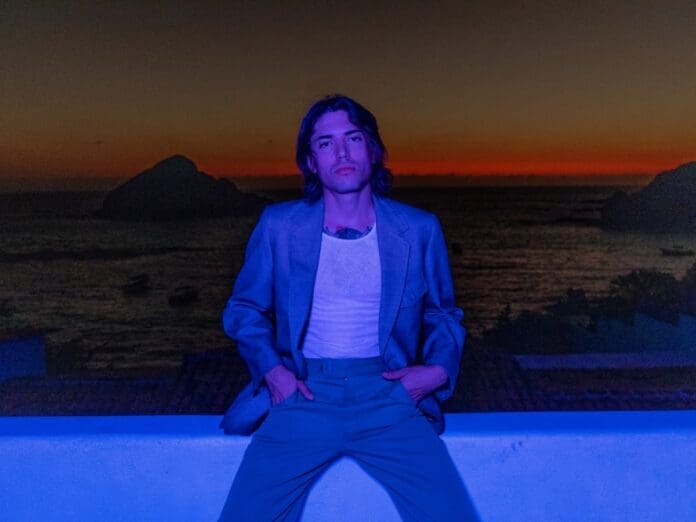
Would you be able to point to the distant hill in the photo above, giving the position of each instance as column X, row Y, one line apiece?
column 666, row 203
column 175, row 189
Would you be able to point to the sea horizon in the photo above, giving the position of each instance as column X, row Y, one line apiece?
column 291, row 181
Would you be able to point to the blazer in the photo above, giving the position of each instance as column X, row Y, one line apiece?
column 268, row 310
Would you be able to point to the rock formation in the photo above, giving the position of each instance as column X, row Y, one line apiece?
column 667, row 203
column 175, row 189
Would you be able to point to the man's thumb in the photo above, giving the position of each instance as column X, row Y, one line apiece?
column 304, row 390
column 395, row 374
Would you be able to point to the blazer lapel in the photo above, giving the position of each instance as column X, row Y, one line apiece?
column 305, row 245
column 394, row 253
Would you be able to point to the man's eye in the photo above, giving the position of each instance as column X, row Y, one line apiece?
column 356, row 138
column 322, row 144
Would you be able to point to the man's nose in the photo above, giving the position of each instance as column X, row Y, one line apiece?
column 341, row 150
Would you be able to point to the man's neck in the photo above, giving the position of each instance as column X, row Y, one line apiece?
column 352, row 210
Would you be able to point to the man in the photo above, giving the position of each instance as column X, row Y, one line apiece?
column 344, row 312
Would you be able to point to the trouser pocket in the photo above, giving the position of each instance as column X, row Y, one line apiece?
column 400, row 392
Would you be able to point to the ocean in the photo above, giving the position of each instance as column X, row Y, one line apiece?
column 62, row 271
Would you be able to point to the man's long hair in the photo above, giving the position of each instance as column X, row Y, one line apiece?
column 381, row 177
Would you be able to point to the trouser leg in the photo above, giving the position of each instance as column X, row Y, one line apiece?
column 362, row 416
column 286, row 455
column 396, row 445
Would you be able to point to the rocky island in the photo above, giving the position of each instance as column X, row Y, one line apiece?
column 175, row 189
column 667, row 203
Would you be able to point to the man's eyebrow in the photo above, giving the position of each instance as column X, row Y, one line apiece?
column 329, row 136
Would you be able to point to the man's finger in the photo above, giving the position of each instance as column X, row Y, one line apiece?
column 395, row 374
column 304, row 390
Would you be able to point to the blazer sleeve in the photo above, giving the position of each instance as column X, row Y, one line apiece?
column 249, row 317
column 443, row 333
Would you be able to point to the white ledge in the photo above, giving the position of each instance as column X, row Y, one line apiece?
column 613, row 466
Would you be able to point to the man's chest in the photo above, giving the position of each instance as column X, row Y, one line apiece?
column 349, row 269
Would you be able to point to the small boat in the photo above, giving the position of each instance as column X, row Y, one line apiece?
column 183, row 296
column 677, row 251
column 138, row 284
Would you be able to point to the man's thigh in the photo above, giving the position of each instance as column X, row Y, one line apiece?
column 286, row 455
column 394, row 442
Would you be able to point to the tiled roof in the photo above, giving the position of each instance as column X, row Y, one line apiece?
column 492, row 381
column 74, row 396
column 207, row 383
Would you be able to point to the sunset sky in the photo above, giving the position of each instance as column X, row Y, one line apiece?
column 105, row 91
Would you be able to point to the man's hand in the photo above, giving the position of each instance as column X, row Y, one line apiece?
column 419, row 381
column 282, row 383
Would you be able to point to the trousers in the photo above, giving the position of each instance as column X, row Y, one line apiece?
column 355, row 413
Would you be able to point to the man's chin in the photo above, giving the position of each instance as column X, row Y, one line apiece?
column 350, row 187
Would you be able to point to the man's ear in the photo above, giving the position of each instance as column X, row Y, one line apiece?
column 311, row 164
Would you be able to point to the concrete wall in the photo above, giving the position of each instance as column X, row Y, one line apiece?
column 613, row 466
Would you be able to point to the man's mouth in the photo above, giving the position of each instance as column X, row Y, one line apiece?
column 344, row 170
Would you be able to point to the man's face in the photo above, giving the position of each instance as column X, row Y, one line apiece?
column 341, row 155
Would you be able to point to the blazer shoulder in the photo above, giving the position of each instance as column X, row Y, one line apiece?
column 285, row 210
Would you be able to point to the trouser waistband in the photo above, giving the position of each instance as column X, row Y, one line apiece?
column 337, row 368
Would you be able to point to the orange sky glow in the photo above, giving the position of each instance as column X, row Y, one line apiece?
column 105, row 91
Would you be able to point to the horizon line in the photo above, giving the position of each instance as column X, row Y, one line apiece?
column 256, row 182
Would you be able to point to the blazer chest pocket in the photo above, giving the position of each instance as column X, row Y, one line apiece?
column 413, row 293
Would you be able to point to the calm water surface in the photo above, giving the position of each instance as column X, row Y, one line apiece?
column 62, row 271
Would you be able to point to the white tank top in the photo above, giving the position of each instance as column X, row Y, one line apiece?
column 344, row 319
